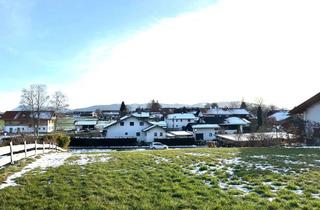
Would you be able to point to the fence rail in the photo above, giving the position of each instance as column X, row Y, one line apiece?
column 12, row 153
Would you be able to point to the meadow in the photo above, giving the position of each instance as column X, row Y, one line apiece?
column 218, row 178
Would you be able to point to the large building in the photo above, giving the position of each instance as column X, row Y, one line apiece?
column 22, row 122
column 135, row 126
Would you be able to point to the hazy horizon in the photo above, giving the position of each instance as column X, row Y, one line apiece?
column 105, row 52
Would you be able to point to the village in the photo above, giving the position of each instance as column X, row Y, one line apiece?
column 212, row 125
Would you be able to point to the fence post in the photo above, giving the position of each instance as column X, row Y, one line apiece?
column 25, row 148
column 43, row 145
column 35, row 146
column 11, row 152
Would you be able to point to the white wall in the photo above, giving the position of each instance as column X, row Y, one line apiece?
column 117, row 131
column 206, row 133
column 150, row 134
column 27, row 129
column 313, row 113
column 177, row 124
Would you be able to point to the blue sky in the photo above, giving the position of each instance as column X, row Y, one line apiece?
column 40, row 37
column 175, row 51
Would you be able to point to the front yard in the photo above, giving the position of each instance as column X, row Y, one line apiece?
column 222, row 178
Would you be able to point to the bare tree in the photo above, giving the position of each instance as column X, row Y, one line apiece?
column 59, row 101
column 34, row 99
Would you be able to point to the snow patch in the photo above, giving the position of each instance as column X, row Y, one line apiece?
column 198, row 154
column 159, row 160
column 49, row 160
column 85, row 159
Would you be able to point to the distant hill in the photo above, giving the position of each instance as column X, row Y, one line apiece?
column 133, row 107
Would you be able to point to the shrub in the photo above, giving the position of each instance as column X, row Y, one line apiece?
column 61, row 140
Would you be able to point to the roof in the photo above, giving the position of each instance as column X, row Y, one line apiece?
column 239, row 111
column 280, row 116
column 302, row 107
column 235, row 121
column 204, row 126
column 152, row 127
column 26, row 115
column 221, row 111
column 123, row 119
column 141, row 114
column 85, row 122
column 181, row 116
column 160, row 123
column 181, row 133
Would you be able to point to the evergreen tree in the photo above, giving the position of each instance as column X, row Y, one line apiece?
column 259, row 117
column 243, row 105
column 154, row 106
column 123, row 109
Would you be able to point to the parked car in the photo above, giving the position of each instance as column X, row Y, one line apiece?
column 158, row 145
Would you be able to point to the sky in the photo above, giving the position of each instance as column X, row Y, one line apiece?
column 175, row 51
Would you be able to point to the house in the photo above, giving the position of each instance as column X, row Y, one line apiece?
column 235, row 125
column 279, row 119
column 205, row 132
column 22, row 122
column 180, row 121
column 153, row 132
column 136, row 125
column 309, row 111
column 219, row 115
column 85, row 125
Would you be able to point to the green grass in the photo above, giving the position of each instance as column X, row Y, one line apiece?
column 175, row 179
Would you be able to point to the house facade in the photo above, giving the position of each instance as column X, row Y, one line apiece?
column 205, row 132
column 154, row 132
column 309, row 111
column 22, row 122
column 180, row 121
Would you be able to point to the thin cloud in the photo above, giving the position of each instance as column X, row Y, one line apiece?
column 228, row 51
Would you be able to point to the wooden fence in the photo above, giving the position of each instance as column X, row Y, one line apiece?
column 12, row 153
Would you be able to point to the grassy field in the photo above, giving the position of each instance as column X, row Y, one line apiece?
column 244, row 178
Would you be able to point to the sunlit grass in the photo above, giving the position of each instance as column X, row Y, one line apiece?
column 175, row 179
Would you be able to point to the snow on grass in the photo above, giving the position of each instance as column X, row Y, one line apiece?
column 84, row 159
column 198, row 154
column 49, row 160
column 259, row 157
column 159, row 160
column 315, row 195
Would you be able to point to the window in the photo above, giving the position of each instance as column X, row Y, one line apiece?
column 43, row 128
column 189, row 120
column 23, row 129
column 141, row 123
column 161, row 134
column 155, row 134
column 131, row 123
column 138, row 134
column 181, row 120
column 126, row 133
column 177, row 120
column 210, row 134
column 121, row 123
